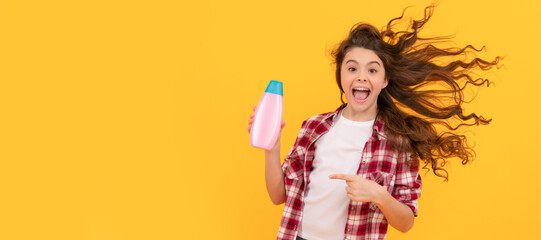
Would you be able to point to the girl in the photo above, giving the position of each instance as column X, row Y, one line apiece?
column 353, row 171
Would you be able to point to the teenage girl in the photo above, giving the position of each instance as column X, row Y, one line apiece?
column 353, row 171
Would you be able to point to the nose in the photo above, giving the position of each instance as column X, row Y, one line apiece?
column 361, row 77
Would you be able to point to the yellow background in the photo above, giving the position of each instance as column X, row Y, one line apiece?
column 127, row 119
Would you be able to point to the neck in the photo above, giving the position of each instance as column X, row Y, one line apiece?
column 359, row 116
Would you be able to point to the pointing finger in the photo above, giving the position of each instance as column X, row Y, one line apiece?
column 345, row 177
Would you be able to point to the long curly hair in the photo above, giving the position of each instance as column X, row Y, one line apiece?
column 425, row 90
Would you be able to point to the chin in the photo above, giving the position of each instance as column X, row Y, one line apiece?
column 364, row 107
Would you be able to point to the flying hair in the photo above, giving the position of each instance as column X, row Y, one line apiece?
column 422, row 105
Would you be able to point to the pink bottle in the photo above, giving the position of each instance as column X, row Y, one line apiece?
column 268, row 117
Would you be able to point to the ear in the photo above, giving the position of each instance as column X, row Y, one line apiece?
column 386, row 81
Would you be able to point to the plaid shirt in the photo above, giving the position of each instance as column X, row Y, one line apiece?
column 379, row 163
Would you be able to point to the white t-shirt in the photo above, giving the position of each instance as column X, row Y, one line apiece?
column 325, row 200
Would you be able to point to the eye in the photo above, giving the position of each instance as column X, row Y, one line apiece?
column 373, row 70
column 352, row 69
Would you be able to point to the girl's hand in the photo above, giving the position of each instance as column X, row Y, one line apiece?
column 360, row 189
column 251, row 121
column 276, row 147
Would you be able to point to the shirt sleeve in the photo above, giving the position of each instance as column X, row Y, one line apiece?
column 300, row 136
column 408, row 184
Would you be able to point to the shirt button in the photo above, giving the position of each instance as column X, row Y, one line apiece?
column 352, row 209
column 349, row 230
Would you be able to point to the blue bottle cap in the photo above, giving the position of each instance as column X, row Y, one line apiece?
column 275, row 87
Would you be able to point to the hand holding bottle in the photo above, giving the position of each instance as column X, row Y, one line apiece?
column 274, row 176
column 282, row 124
column 266, row 124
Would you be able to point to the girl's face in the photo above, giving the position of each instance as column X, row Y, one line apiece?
column 362, row 78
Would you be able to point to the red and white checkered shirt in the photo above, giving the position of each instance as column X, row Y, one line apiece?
column 379, row 163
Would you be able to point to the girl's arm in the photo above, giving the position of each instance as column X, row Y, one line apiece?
column 398, row 215
column 274, row 176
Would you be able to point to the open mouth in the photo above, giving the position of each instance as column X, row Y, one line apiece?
column 361, row 94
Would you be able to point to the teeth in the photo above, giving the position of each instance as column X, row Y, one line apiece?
column 361, row 89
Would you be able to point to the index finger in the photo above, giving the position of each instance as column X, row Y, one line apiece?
column 345, row 177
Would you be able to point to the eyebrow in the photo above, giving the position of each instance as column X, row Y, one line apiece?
column 352, row 60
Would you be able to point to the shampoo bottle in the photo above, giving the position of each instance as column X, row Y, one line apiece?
column 268, row 117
